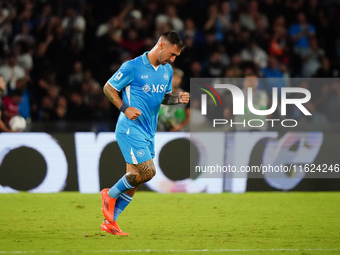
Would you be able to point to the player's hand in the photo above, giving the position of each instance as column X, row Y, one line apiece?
column 183, row 97
column 132, row 113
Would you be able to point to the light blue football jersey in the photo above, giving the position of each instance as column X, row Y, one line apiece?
column 143, row 87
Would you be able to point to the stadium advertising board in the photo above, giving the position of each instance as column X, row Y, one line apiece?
column 88, row 162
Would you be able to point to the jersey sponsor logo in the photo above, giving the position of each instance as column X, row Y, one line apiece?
column 118, row 76
column 146, row 88
column 144, row 76
column 159, row 88
column 166, row 76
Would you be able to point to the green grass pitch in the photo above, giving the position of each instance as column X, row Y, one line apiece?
column 251, row 223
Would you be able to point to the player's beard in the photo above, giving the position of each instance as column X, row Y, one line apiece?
column 162, row 62
column 165, row 62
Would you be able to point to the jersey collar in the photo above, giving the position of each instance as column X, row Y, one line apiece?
column 145, row 58
column 147, row 62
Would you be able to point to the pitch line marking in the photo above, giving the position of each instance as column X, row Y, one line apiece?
column 170, row 250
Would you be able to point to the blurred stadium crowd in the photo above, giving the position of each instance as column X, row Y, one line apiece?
column 55, row 56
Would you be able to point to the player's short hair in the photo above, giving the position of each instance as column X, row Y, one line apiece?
column 173, row 37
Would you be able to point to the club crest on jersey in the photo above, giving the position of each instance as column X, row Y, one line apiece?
column 166, row 76
column 118, row 76
column 140, row 153
column 146, row 88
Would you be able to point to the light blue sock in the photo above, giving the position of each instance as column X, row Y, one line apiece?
column 122, row 201
column 121, row 186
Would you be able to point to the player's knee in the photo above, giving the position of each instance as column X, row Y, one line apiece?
column 150, row 174
column 146, row 171
column 153, row 172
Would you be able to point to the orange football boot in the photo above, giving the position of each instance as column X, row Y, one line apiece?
column 112, row 228
column 108, row 205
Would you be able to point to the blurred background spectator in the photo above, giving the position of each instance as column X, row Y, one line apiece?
column 11, row 72
column 59, row 54
column 3, row 126
column 11, row 103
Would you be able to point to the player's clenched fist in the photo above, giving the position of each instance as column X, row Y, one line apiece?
column 183, row 97
column 132, row 113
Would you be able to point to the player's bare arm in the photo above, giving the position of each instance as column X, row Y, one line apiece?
column 180, row 98
column 131, row 112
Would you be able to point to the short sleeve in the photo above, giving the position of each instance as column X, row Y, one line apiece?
column 122, row 77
